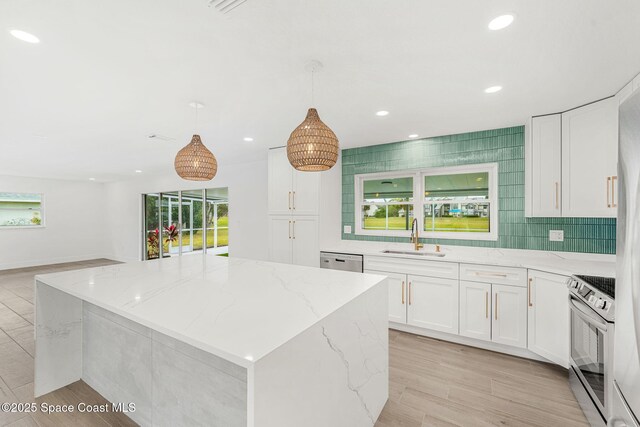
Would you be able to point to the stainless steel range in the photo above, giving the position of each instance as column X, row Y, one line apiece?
column 592, row 330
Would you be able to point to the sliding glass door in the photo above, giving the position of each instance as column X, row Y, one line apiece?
column 180, row 222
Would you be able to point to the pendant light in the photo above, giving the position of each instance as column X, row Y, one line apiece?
column 194, row 162
column 312, row 146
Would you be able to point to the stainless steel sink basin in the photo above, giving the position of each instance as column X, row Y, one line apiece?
column 436, row 254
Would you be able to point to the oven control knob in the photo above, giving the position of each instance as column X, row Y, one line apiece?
column 602, row 304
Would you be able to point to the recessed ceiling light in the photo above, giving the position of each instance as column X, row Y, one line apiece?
column 500, row 22
column 138, row 171
column 92, row 179
column 413, row 135
column 248, row 139
column 382, row 113
column 24, row 36
column 493, row 89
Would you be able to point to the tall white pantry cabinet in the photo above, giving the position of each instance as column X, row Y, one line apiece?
column 293, row 207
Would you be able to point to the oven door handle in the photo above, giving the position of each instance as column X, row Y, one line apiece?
column 582, row 312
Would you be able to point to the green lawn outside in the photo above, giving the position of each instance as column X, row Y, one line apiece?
column 223, row 238
column 454, row 224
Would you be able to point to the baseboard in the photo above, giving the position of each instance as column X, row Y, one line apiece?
column 472, row 342
column 50, row 261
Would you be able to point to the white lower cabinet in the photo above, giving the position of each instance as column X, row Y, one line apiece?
column 549, row 317
column 525, row 309
column 496, row 313
column 397, row 295
column 475, row 310
column 432, row 303
column 509, row 324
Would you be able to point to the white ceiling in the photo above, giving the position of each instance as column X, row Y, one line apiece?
column 108, row 73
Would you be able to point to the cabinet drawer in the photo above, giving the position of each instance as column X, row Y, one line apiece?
column 494, row 274
column 446, row 270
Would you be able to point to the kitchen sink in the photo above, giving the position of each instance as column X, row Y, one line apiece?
column 436, row 254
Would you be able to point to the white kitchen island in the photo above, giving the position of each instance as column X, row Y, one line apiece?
column 207, row 340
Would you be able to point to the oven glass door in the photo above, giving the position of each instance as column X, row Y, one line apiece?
column 588, row 350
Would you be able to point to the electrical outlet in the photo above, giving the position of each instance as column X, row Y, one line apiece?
column 556, row 235
column 347, row 229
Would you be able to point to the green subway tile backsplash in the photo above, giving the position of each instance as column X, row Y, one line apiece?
column 503, row 146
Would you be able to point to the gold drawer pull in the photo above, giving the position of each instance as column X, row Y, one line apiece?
column 490, row 274
column 486, row 304
column 403, row 292
column 496, row 312
column 608, row 191
column 529, row 291
column 409, row 293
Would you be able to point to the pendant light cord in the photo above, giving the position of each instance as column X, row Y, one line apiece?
column 313, row 71
column 197, row 108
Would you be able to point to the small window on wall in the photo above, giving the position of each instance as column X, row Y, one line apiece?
column 457, row 203
column 18, row 210
column 386, row 203
column 449, row 203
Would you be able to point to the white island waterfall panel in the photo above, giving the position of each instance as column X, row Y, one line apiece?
column 218, row 341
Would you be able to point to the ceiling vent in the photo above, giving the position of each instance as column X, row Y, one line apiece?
column 157, row 137
column 225, row 6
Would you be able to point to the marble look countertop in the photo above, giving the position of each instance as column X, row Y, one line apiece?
column 237, row 309
column 564, row 263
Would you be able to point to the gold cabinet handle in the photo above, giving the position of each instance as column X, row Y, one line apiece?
column 613, row 191
column 294, row 200
column 557, row 195
column 529, row 291
column 496, row 310
column 409, row 293
column 490, row 274
column 294, row 229
column 289, row 229
column 608, row 191
column 289, row 200
column 486, row 304
column 403, row 292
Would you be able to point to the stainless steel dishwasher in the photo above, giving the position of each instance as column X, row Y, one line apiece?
column 338, row 261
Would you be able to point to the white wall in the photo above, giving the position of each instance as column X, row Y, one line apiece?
column 74, row 223
column 247, row 185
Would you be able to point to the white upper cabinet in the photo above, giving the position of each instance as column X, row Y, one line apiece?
column 280, row 182
column 589, row 160
column 291, row 192
column 305, row 196
column 548, row 307
column 571, row 162
column 544, row 166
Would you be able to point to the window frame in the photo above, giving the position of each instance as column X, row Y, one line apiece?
column 28, row 227
column 419, row 201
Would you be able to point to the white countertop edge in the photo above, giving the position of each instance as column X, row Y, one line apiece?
column 562, row 263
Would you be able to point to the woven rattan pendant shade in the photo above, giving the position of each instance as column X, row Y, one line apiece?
column 195, row 162
column 312, row 146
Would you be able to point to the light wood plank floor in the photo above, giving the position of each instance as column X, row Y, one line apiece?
column 432, row 383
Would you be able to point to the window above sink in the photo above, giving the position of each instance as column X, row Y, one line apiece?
column 448, row 203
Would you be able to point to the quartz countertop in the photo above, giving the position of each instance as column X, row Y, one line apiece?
column 237, row 309
column 564, row 263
